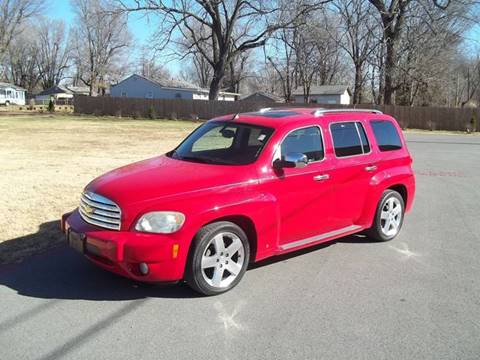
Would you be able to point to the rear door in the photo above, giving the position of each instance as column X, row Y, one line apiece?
column 354, row 168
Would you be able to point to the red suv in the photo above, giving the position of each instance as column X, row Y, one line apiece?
column 243, row 188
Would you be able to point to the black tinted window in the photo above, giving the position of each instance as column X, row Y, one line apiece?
column 386, row 135
column 363, row 137
column 346, row 140
column 307, row 141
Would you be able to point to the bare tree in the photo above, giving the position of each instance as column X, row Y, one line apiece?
column 13, row 14
column 101, row 37
column 22, row 59
column 54, row 52
column 149, row 68
column 231, row 27
column 392, row 14
column 283, row 62
column 358, row 40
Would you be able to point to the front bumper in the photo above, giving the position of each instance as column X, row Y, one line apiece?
column 122, row 252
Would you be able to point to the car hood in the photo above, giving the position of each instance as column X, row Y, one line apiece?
column 163, row 177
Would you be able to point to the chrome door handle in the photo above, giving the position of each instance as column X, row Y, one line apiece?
column 371, row 168
column 321, row 177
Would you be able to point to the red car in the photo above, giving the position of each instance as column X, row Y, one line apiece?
column 243, row 188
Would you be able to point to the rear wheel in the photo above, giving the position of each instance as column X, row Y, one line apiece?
column 7, row 103
column 388, row 217
column 219, row 258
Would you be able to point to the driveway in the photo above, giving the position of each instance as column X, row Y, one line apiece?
column 416, row 297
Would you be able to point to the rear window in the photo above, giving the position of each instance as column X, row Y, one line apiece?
column 387, row 135
column 349, row 139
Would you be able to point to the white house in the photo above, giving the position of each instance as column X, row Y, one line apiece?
column 12, row 94
column 325, row 94
column 137, row 86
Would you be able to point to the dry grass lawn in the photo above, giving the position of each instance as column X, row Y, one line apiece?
column 46, row 160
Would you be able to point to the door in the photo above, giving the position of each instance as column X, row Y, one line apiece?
column 354, row 169
column 303, row 194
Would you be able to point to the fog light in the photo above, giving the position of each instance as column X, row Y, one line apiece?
column 143, row 268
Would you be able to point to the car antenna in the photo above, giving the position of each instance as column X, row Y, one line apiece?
column 236, row 116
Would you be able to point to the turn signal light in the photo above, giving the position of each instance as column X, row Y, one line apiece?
column 175, row 248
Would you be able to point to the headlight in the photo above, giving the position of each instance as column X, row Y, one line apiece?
column 163, row 222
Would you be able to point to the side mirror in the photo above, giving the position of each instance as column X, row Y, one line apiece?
column 293, row 160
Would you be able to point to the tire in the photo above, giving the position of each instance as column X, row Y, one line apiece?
column 7, row 103
column 388, row 220
column 211, row 267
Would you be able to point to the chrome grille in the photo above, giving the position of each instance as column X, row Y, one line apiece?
column 100, row 211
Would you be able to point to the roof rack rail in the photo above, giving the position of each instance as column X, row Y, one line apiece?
column 262, row 110
column 319, row 112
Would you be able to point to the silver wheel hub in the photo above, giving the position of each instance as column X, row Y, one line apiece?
column 391, row 217
column 222, row 259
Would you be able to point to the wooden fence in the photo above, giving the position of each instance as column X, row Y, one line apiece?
column 430, row 118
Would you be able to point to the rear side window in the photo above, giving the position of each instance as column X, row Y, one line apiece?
column 349, row 139
column 387, row 135
column 307, row 141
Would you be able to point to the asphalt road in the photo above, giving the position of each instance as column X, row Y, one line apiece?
column 416, row 297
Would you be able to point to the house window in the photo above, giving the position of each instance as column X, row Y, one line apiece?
column 123, row 94
column 149, row 95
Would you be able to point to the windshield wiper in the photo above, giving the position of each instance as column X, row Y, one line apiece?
column 195, row 159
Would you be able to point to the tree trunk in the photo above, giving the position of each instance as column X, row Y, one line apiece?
column 215, row 84
column 389, row 69
column 358, row 87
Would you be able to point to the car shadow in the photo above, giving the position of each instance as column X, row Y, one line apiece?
column 350, row 239
column 60, row 273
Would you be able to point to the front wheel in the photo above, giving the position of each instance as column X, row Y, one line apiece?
column 219, row 258
column 388, row 217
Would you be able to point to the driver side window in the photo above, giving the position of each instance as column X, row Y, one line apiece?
column 307, row 141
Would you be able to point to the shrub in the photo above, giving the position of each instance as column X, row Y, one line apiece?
column 51, row 106
column 473, row 122
column 151, row 113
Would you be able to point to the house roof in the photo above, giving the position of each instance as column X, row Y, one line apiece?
column 57, row 89
column 272, row 97
column 324, row 90
column 78, row 89
column 174, row 85
column 7, row 85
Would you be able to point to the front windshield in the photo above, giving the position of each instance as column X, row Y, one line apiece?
column 222, row 142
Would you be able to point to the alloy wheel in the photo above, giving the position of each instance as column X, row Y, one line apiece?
column 391, row 216
column 223, row 259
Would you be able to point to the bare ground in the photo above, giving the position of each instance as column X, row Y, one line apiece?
column 46, row 160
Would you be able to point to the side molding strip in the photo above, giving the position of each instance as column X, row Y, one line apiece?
column 320, row 237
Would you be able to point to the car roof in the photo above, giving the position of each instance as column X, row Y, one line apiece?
column 296, row 116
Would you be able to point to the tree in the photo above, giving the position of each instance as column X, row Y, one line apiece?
column 54, row 52
column 283, row 62
column 392, row 14
column 231, row 28
column 358, row 40
column 22, row 58
column 101, row 38
column 149, row 68
column 12, row 15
